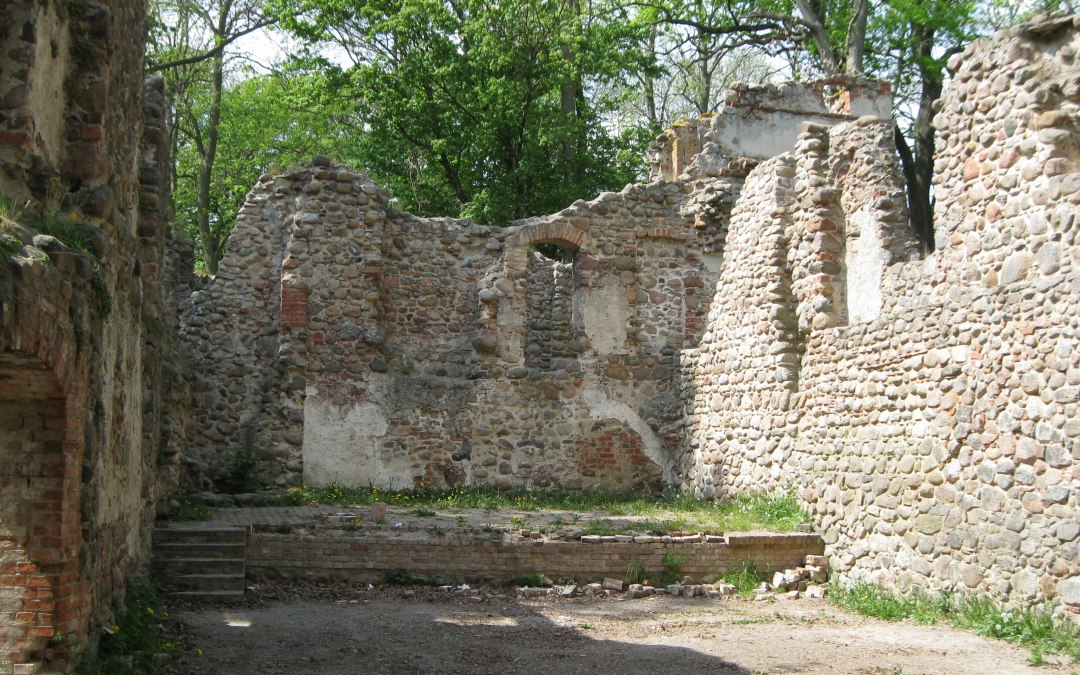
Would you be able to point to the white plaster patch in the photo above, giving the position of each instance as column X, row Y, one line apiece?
column 713, row 262
column 865, row 260
column 604, row 314
column 341, row 445
column 603, row 408
column 510, row 319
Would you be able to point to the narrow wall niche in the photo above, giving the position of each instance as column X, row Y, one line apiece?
column 551, row 334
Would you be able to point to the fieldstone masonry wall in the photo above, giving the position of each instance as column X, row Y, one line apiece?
column 365, row 346
column 925, row 410
column 758, row 317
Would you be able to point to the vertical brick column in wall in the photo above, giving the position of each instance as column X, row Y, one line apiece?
column 294, row 307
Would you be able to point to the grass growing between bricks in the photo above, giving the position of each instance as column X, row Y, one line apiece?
column 1035, row 629
column 673, row 511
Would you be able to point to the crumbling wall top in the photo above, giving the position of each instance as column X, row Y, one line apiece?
column 759, row 121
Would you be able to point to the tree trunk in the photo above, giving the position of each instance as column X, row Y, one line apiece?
column 570, row 95
column 815, row 24
column 568, row 99
column 649, row 83
column 856, row 38
column 921, row 175
column 704, row 75
column 211, row 240
column 919, row 213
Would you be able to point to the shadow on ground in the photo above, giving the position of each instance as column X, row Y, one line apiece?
column 391, row 636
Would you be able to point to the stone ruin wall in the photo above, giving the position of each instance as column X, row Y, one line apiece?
column 924, row 410
column 758, row 317
column 361, row 345
column 86, row 341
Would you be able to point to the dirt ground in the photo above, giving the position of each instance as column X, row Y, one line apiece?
column 294, row 628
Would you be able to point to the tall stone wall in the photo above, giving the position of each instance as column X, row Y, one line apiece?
column 759, row 317
column 346, row 342
column 85, row 331
column 924, row 410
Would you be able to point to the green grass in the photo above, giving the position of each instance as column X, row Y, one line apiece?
column 189, row 511
column 747, row 621
column 603, row 528
column 870, row 600
column 669, row 512
column 133, row 643
column 744, row 578
column 68, row 232
column 1035, row 629
column 11, row 209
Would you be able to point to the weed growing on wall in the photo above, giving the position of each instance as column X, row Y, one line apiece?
column 190, row 511
column 8, row 245
column 12, row 209
column 60, row 222
column 240, row 473
column 636, row 572
column 403, row 578
column 672, row 565
column 530, row 579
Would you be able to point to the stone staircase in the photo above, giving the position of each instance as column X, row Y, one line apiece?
column 200, row 563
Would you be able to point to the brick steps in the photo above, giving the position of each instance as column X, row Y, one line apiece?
column 201, row 563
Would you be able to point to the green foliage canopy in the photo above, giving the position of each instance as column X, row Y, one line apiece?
column 464, row 103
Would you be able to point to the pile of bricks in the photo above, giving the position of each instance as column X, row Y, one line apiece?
column 796, row 582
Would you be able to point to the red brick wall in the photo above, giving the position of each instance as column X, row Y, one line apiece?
column 40, row 460
column 613, row 455
column 43, row 400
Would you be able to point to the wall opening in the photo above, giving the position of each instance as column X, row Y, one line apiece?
column 32, row 566
column 552, row 336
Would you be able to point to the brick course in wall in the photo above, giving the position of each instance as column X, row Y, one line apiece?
column 327, row 558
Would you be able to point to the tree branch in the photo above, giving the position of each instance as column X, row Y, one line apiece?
column 215, row 51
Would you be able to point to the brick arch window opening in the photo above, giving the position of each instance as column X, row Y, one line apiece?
column 553, row 333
